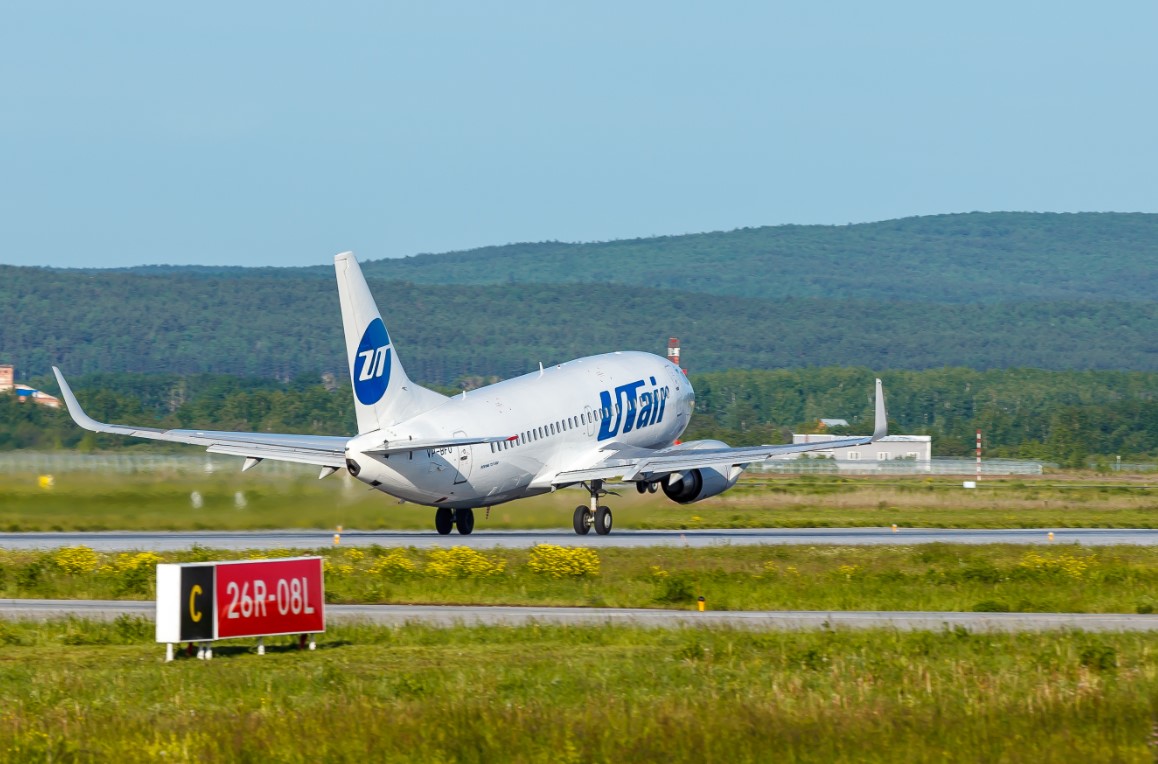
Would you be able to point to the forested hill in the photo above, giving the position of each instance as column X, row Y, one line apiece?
column 975, row 257
column 992, row 290
column 276, row 327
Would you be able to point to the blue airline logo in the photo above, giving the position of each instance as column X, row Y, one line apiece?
column 631, row 409
column 372, row 364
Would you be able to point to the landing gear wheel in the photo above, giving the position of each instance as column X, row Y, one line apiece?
column 653, row 487
column 603, row 521
column 444, row 520
column 582, row 520
column 641, row 486
column 464, row 519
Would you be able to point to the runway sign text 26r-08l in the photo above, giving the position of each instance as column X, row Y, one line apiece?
column 252, row 598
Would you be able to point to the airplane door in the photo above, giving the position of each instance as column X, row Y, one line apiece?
column 462, row 460
column 590, row 420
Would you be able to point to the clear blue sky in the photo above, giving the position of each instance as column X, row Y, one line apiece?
column 281, row 133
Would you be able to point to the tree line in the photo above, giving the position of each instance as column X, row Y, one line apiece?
column 1064, row 417
column 278, row 327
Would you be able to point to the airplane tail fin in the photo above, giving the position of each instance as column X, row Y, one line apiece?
column 383, row 394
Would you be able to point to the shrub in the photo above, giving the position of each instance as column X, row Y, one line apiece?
column 76, row 560
column 847, row 572
column 1035, row 565
column 1099, row 657
column 395, row 564
column 133, row 628
column 982, row 572
column 676, row 589
column 30, row 576
column 463, row 562
column 129, row 561
column 133, row 572
column 991, row 606
column 563, row 562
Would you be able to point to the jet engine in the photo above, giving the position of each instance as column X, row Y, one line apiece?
column 701, row 483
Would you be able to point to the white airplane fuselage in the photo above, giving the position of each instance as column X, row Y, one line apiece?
column 557, row 418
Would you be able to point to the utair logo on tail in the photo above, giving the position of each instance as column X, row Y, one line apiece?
column 372, row 364
column 631, row 409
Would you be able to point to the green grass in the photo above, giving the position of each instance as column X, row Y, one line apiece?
column 81, row 691
column 161, row 500
column 936, row 577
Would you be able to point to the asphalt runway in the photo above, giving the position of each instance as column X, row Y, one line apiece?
column 161, row 541
column 448, row 615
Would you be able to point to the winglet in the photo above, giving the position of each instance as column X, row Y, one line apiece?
column 74, row 409
column 881, row 425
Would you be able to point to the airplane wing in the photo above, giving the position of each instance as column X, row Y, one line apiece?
column 630, row 463
column 322, row 450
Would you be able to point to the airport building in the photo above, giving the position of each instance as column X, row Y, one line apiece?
column 913, row 448
column 8, row 384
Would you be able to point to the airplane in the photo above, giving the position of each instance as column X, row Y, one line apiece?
column 586, row 422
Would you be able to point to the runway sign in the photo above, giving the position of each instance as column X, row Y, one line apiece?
column 203, row 601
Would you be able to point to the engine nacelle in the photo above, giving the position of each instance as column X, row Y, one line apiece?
column 701, row 483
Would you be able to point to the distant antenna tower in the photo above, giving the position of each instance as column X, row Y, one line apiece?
column 673, row 352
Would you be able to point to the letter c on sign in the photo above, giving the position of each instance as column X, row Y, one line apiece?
column 194, row 613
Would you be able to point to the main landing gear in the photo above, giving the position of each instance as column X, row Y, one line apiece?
column 595, row 516
column 446, row 518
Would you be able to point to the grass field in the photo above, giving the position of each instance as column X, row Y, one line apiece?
column 78, row 692
column 165, row 500
column 86, row 691
column 937, row 577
